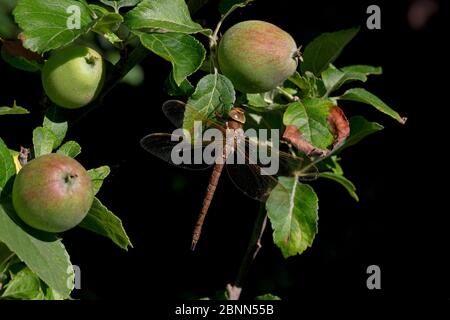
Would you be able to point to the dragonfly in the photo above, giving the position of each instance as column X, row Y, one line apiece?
column 252, row 176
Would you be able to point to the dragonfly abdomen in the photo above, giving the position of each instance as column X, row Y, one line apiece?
column 210, row 190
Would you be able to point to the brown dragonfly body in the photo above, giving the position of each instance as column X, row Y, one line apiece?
column 236, row 121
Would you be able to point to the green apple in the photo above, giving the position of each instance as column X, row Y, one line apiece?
column 257, row 56
column 74, row 76
column 52, row 193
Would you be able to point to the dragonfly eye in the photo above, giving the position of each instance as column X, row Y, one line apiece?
column 237, row 114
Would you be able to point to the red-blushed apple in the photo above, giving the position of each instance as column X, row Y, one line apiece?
column 52, row 193
column 257, row 56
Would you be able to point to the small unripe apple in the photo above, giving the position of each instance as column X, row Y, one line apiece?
column 74, row 76
column 52, row 193
column 257, row 56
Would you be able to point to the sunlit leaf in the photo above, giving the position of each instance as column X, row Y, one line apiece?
column 103, row 222
column 333, row 78
column 98, row 175
column 364, row 96
column 15, row 109
column 70, row 149
column 43, row 141
column 43, row 253
column 168, row 15
column 310, row 116
column 184, row 52
column 214, row 95
column 46, row 24
column 55, row 120
column 292, row 209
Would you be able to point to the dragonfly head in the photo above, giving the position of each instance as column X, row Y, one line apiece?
column 237, row 114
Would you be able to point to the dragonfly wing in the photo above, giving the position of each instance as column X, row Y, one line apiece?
column 255, row 167
column 172, row 149
column 249, row 180
column 298, row 165
column 248, row 174
column 174, row 111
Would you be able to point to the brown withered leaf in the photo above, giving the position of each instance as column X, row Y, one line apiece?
column 16, row 49
column 293, row 136
column 24, row 155
column 339, row 126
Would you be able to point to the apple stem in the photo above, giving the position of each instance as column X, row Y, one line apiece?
column 70, row 177
column 90, row 59
column 286, row 94
column 298, row 54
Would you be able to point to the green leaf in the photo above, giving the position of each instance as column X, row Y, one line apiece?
column 103, row 222
column 118, row 4
column 43, row 141
column 51, row 294
column 14, row 110
column 263, row 120
column 323, row 50
column 359, row 129
column 55, row 121
column 214, row 95
column 334, row 78
column 309, row 84
column 184, row 89
column 263, row 102
column 7, row 167
column 97, row 176
column 331, row 164
column 299, row 81
column 107, row 24
column 19, row 62
column 267, row 296
column 45, row 23
column 5, row 256
column 363, row 69
column 226, row 6
column 292, row 209
column 364, row 96
column 43, row 253
column 70, row 149
column 8, row 29
column 98, row 10
column 311, row 118
column 25, row 285
column 184, row 52
column 168, row 15
column 347, row 184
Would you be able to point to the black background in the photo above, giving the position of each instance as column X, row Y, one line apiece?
column 399, row 173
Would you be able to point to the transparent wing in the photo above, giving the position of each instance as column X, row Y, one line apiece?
column 254, row 168
column 172, row 149
column 174, row 111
